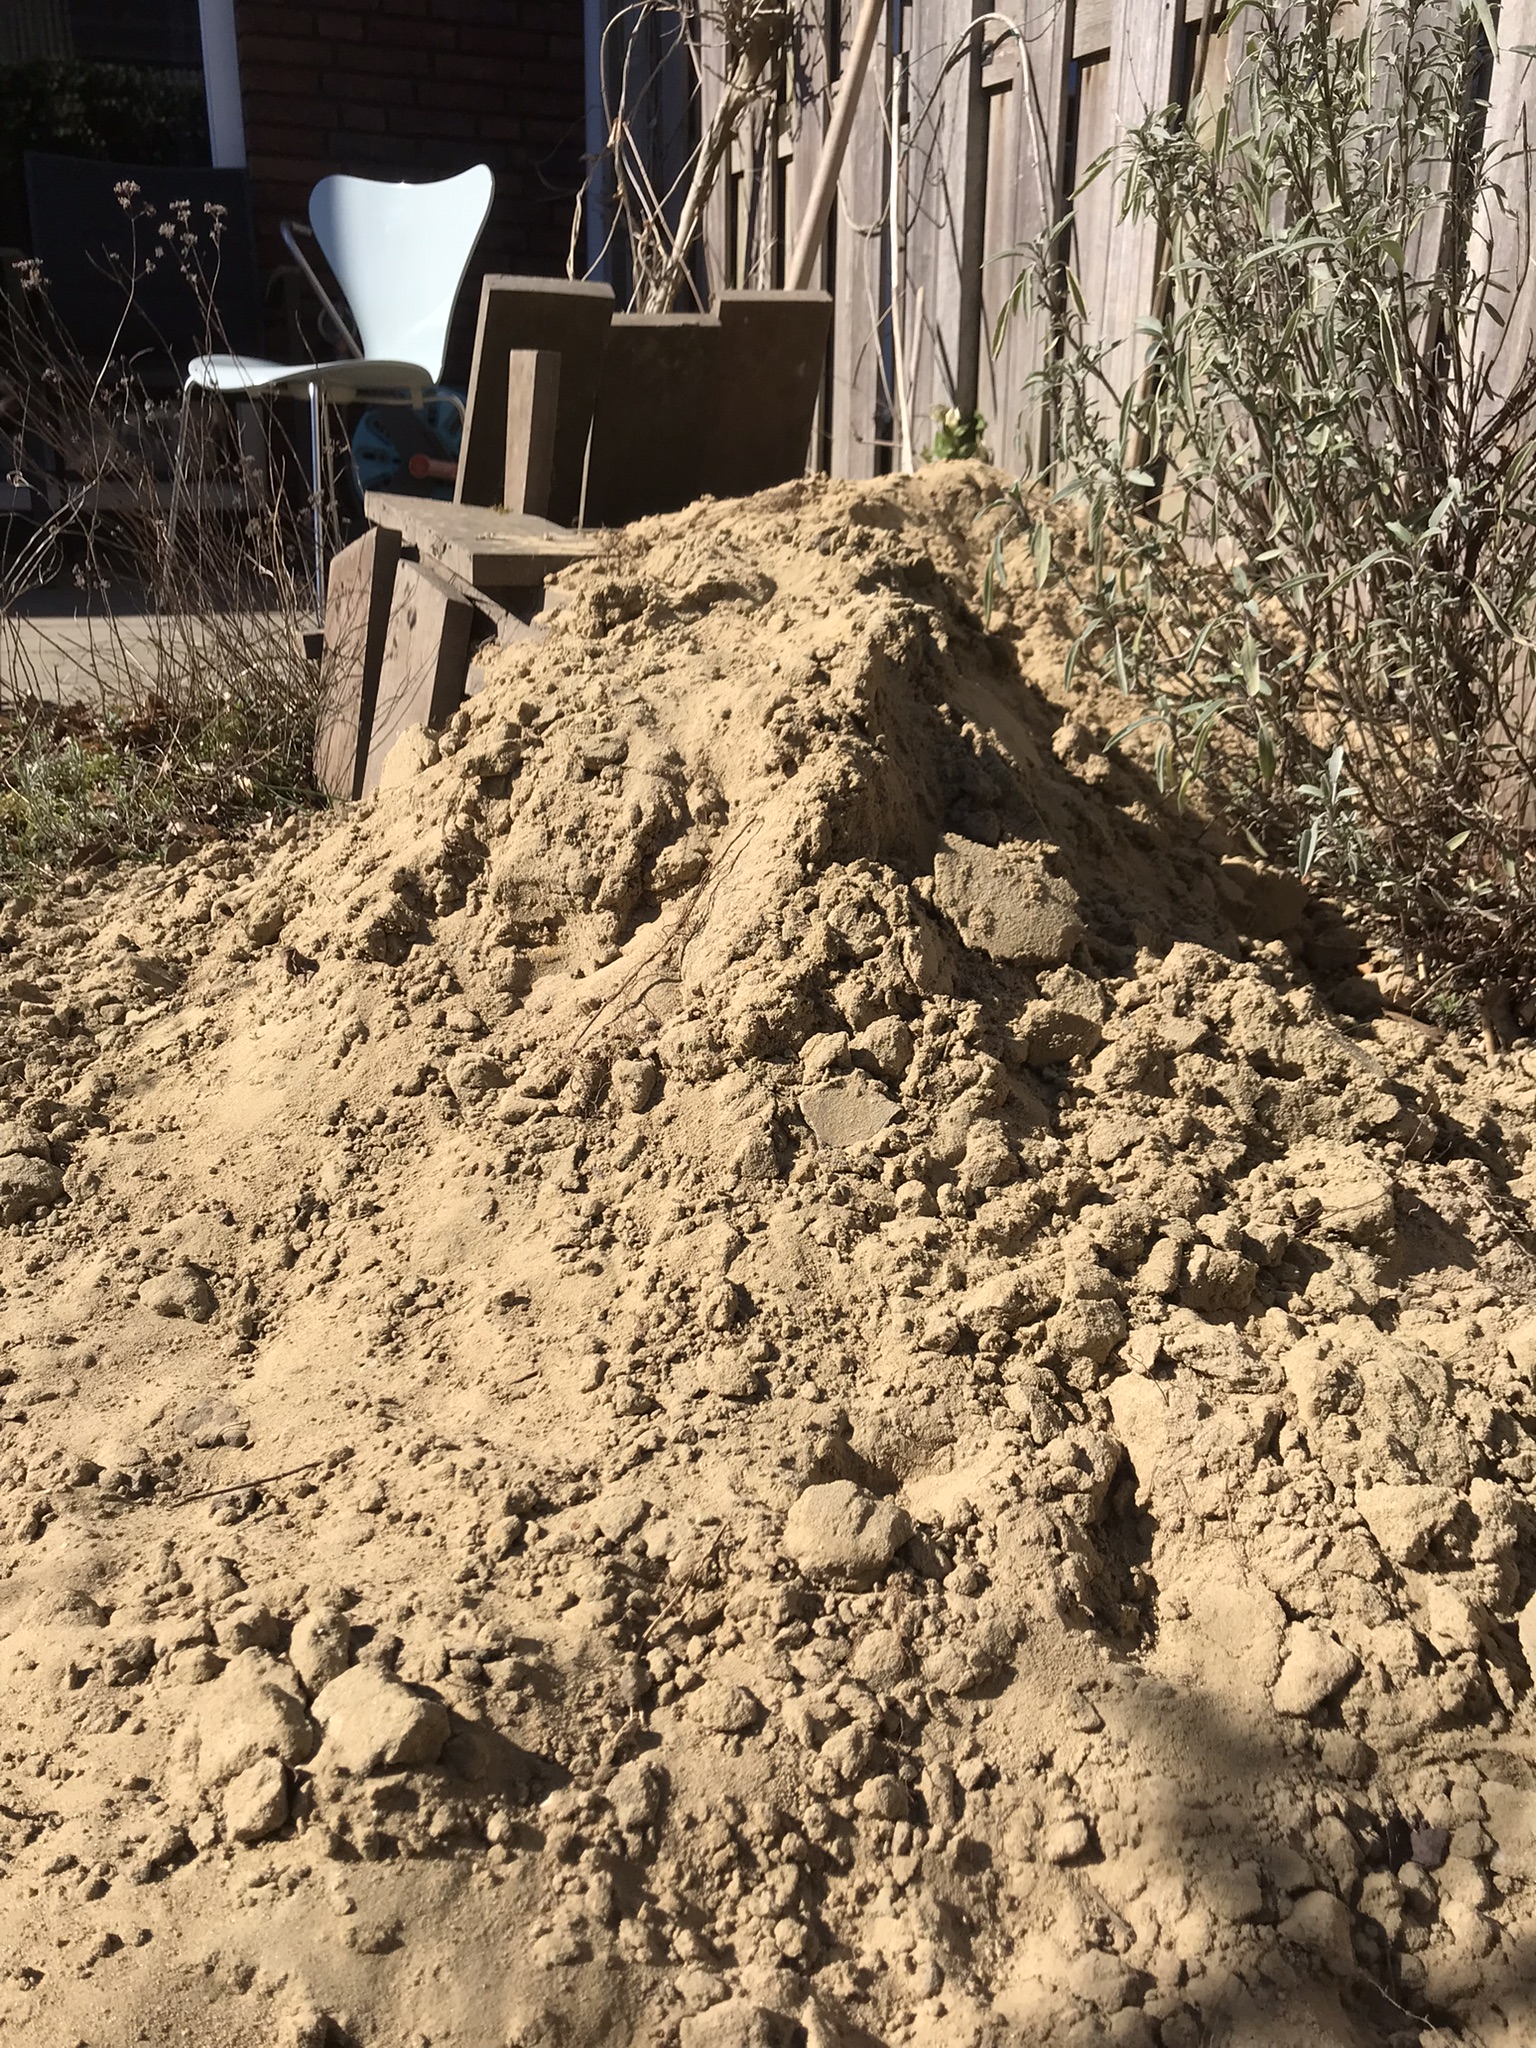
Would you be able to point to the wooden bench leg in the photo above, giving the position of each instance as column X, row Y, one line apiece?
column 425, row 666
column 359, row 590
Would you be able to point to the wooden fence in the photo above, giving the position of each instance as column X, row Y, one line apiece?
column 972, row 129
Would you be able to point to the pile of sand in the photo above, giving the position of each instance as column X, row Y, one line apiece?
column 752, row 1365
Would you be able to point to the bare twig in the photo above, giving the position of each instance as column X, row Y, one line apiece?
column 184, row 1500
column 645, row 45
column 188, row 701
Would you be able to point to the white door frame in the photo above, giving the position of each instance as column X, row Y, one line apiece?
column 221, row 83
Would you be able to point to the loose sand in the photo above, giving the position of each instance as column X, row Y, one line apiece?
column 755, row 1364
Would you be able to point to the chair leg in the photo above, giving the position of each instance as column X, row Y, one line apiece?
column 317, row 471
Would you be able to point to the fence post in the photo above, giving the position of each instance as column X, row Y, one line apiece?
column 1026, row 86
column 1502, row 237
column 1144, row 40
column 857, row 219
column 973, row 220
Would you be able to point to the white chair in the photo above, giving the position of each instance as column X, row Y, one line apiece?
column 399, row 253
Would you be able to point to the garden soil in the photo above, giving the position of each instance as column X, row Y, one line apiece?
column 760, row 1361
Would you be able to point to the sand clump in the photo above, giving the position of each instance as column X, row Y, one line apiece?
column 758, row 1361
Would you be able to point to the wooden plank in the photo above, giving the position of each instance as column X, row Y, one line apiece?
column 806, row 127
column 1093, row 23
column 425, row 665
column 493, row 550
column 752, row 155
column 1498, row 339
column 1146, row 36
column 648, row 453
column 1024, row 197
column 1091, row 28
column 1502, row 240
column 533, row 313
column 672, row 132
column 999, row 396
column 976, row 125
column 716, row 233
column 359, row 587
column 769, row 364
column 1428, row 246
column 939, row 100
column 1094, row 206
column 1115, row 260
column 856, row 250
column 782, row 146
column 506, row 625
column 533, row 402
column 1223, row 55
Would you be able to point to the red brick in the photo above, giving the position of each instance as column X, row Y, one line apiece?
column 275, row 49
column 456, row 11
column 402, row 32
column 287, row 109
column 474, row 61
column 381, row 92
column 361, row 120
column 502, row 129
column 416, row 88
column 368, row 60
column 282, row 80
column 484, row 42
column 416, row 126
column 298, row 157
column 272, row 170
column 272, row 17
column 341, row 28
column 457, row 97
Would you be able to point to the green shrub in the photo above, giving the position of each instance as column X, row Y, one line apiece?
column 1309, row 535
column 957, row 436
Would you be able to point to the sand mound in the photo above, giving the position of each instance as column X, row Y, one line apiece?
column 750, row 1365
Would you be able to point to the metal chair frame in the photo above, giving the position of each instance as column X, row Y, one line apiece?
column 399, row 253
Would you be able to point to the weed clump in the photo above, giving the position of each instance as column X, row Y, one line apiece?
column 170, row 539
column 83, row 786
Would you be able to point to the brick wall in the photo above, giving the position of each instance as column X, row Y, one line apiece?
column 416, row 89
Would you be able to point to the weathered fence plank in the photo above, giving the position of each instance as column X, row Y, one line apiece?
column 1026, row 160
column 855, row 257
column 1145, row 36
column 1062, row 83
column 933, row 205
column 712, row 63
column 1502, row 244
column 1094, row 202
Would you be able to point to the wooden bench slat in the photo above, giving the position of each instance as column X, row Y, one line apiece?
column 492, row 550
